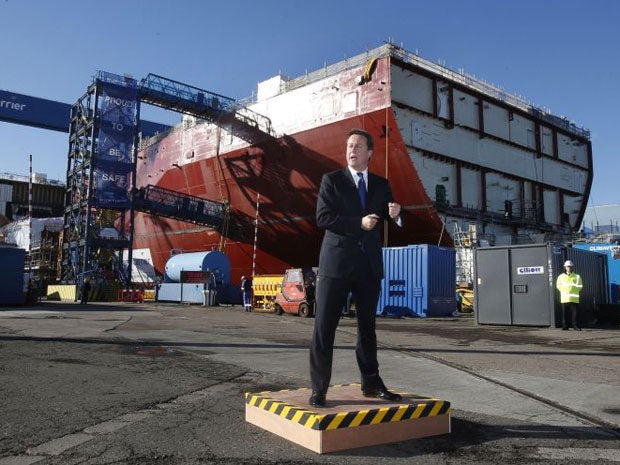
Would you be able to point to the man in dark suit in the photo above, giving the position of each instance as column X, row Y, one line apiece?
column 351, row 206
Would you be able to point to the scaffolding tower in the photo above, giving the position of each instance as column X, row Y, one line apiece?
column 464, row 243
column 100, row 174
column 101, row 194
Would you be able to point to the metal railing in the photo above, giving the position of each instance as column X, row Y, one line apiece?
column 216, row 108
column 172, row 204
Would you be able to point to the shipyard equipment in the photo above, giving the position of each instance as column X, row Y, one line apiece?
column 265, row 288
column 218, row 109
column 515, row 285
column 100, row 173
column 173, row 204
column 199, row 278
column 419, row 281
column 102, row 193
column 297, row 294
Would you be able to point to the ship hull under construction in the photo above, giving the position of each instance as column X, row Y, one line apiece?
column 460, row 156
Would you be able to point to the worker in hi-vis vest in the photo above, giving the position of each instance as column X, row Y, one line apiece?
column 569, row 284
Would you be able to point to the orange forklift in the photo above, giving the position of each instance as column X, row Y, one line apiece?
column 297, row 293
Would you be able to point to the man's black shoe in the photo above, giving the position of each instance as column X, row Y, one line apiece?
column 317, row 399
column 382, row 393
column 577, row 329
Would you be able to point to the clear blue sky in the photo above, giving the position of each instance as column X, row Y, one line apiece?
column 559, row 54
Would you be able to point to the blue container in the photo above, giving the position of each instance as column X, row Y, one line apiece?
column 12, row 275
column 420, row 280
column 613, row 265
column 214, row 261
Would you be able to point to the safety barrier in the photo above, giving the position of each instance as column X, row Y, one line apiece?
column 62, row 292
column 131, row 295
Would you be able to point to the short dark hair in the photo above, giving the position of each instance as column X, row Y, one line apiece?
column 360, row 132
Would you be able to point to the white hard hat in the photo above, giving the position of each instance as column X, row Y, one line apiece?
column 568, row 263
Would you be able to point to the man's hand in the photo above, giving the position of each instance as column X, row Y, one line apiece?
column 394, row 210
column 370, row 221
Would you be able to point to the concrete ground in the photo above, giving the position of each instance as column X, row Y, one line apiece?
column 164, row 384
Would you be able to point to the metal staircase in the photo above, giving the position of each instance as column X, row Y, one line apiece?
column 217, row 109
column 171, row 204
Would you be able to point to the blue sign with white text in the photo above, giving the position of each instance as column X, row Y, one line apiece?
column 48, row 114
column 111, row 184
column 115, row 145
column 117, row 107
column 32, row 111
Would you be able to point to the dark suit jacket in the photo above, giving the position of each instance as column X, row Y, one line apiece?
column 339, row 211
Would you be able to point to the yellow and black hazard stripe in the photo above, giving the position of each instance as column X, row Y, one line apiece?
column 420, row 409
column 415, row 408
column 304, row 417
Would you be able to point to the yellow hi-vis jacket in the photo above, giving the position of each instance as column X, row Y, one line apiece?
column 569, row 286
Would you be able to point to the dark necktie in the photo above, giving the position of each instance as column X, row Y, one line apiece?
column 361, row 190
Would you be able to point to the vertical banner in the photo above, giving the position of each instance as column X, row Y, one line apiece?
column 117, row 107
column 111, row 184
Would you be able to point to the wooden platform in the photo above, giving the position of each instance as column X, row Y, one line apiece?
column 349, row 420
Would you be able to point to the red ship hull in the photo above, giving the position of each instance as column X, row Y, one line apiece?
column 493, row 165
column 284, row 174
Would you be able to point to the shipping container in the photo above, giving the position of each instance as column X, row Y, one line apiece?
column 515, row 285
column 592, row 268
column 612, row 251
column 420, row 280
column 12, row 275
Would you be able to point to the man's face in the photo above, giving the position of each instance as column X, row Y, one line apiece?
column 358, row 154
column 568, row 269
